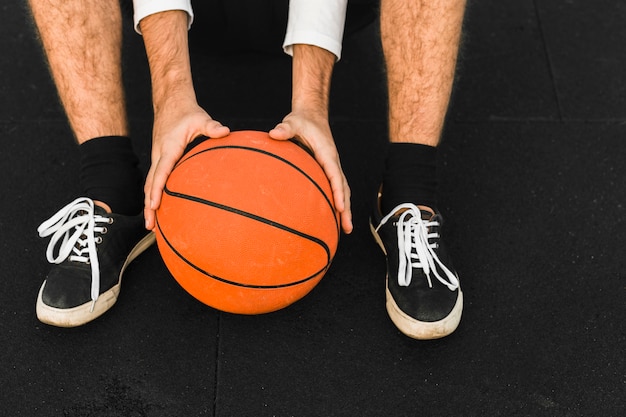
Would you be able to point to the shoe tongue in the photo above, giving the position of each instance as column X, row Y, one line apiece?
column 426, row 212
column 100, row 211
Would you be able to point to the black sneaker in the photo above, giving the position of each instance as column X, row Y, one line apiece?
column 93, row 248
column 424, row 298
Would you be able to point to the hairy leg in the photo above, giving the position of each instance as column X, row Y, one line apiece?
column 82, row 41
column 420, row 40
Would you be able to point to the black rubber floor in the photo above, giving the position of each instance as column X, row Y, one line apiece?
column 532, row 186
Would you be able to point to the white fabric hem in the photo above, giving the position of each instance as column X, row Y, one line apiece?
column 312, row 38
column 145, row 8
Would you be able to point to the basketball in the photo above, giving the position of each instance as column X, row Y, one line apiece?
column 247, row 224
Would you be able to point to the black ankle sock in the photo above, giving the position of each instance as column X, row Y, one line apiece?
column 410, row 176
column 109, row 173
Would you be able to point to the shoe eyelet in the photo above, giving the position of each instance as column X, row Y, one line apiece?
column 98, row 239
column 104, row 231
column 110, row 220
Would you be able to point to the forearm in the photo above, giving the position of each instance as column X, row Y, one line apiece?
column 312, row 72
column 165, row 39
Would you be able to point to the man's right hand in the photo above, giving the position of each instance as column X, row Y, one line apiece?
column 175, row 126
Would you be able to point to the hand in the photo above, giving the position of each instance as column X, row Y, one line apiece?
column 176, row 124
column 314, row 132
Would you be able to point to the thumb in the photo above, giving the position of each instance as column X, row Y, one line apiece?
column 214, row 129
column 282, row 131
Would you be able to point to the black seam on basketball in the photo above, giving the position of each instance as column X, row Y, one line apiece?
column 297, row 168
column 252, row 216
column 224, row 280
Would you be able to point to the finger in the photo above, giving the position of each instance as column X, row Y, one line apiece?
column 148, row 213
column 149, row 216
column 346, row 222
column 346, row 214
column 214, row 129
column 163, row 169
column 337, row 180
column 282, row 131
column 344, row 207
column 341, row 191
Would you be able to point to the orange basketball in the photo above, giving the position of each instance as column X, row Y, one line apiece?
column 247, row 224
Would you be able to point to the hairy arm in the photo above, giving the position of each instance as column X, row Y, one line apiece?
column 312, row 71
column 165, row 39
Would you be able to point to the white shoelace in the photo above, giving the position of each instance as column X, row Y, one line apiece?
column 73, row 230
column 414, row 249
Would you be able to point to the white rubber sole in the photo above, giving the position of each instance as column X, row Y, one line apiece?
column 425, row 330
column 82, row 314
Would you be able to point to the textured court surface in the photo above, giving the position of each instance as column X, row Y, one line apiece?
column 532, row 184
